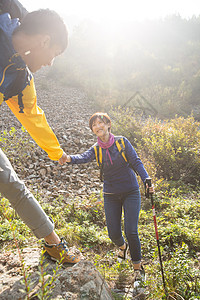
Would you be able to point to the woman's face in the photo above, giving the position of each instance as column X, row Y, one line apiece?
column 100, row 128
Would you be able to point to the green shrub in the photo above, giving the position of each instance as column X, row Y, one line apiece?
column 181, row 275
column 169, row 149
column 173, row 146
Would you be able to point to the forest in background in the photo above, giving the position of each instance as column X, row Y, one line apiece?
column 157, row 61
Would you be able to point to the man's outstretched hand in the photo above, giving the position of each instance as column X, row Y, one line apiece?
column 65, row 158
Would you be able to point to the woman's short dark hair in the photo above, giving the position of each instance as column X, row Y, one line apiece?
column 103, row 116
column 45, row 21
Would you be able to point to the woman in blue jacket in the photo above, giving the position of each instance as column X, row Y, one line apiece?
column 120, row 186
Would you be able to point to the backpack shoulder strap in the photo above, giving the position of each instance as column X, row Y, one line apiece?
column 98, row 154
column 121, row 146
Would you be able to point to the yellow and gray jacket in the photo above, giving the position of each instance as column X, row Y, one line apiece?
column 18, row 90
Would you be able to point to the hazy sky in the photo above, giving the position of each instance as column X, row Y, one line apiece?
column 118, row 10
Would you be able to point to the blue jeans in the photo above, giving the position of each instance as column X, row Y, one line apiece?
column 130, row 202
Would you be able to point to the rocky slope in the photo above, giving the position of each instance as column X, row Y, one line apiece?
column 67, row 111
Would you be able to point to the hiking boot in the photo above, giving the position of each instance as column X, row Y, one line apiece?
column 123, row 252
column 139, row 280
column 60, row 252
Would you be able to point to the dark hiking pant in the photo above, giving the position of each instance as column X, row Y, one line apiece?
column 113, row 205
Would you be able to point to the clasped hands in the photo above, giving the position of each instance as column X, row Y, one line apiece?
column 64, row 158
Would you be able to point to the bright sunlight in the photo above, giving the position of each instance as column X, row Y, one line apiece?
column 109, row 11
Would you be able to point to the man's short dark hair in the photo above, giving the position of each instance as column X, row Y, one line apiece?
column 45, row 21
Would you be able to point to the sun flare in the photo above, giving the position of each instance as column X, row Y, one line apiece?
column 110, row 11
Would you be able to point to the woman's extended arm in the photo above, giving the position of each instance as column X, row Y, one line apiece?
column 83, row 158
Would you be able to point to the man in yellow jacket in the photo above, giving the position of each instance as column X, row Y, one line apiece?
column 24, row 48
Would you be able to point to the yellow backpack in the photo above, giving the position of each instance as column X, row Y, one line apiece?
column 119, row 141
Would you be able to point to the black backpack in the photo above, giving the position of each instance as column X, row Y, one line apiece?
column 14, row 8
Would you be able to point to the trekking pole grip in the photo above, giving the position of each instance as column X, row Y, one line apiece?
column 147, row 182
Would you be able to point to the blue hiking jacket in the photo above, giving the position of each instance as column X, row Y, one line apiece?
column 119, row 177
column 14, row 74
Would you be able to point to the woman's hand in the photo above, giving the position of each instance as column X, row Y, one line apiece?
column 150, row 188
column 65, row 158
column 68, row 159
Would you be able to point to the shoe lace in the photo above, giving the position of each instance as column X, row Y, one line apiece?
column 63, row 245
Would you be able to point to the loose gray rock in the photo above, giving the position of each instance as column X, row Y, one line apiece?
column 80, row 281
column 67, row 110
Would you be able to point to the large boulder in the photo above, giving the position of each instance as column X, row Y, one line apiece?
column 79, row 281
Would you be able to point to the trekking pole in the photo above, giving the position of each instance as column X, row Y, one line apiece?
column 148, row 182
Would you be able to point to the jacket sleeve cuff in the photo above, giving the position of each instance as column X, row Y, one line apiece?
column 56, row 155
column 72, row 160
